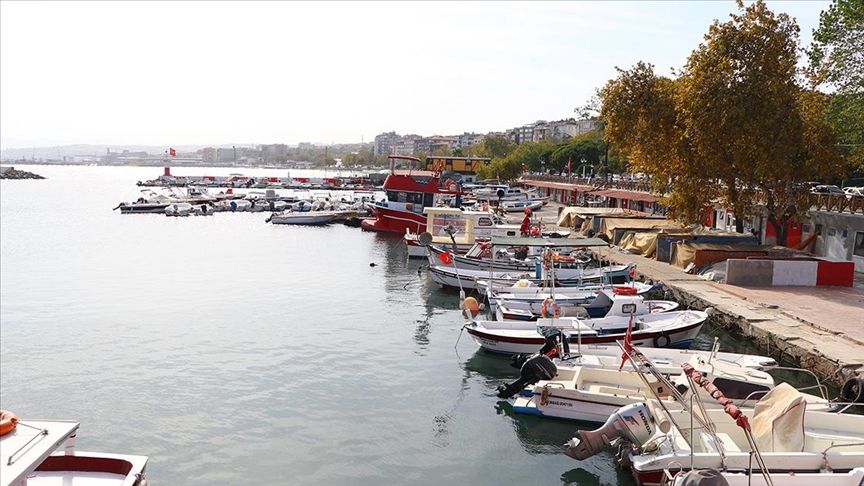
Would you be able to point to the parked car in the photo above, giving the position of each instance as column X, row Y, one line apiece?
column 826, row 189
column 853, row 191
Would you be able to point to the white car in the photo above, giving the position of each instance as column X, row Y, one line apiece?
column 853, row 191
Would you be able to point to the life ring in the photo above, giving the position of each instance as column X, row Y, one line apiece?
column 853, row 390
column 8, row 421
column 662, row 340
column 452, row 187
column 625, row 290
column 566, row 259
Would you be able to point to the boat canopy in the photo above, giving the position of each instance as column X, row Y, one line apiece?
column 549, row 242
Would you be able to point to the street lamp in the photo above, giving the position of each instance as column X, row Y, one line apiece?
column 235, row 155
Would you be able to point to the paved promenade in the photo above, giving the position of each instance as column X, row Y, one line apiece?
column 823, row 327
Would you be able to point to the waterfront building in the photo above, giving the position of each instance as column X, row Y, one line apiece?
column 384, row 143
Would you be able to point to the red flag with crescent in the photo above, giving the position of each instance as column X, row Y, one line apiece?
column 628, row 342
column 445, row 258
column 172, row 152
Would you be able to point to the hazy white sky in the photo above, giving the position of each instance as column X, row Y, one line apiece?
column 183, row 73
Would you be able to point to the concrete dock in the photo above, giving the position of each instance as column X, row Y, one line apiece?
column 817, row 328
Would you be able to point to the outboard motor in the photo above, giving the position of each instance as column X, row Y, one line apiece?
column 536, row 367
column 634, row 423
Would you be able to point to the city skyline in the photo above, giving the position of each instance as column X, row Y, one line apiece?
column 217, row 73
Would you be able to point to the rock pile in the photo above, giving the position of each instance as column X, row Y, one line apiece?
column 18, row 174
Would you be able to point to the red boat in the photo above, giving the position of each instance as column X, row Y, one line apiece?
column 408, row 193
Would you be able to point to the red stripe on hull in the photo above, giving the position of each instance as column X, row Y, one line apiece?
column 573, row 339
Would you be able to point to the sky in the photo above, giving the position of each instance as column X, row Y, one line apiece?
column 222, row 73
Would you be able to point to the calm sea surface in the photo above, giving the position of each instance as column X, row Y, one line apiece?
column 232, row 351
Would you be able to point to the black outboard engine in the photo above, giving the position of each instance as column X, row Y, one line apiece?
column 536, row 367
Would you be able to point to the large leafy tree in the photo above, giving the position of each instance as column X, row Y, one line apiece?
column 837, row 62
column 734, row 123
column 641, row 119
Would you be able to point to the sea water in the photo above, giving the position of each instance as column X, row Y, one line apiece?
column 233, row 351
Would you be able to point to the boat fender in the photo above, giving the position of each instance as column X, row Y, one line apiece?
column 662, row 340
column 853, row 390
column 625, row 290
column 8, row 421
column 544, row 308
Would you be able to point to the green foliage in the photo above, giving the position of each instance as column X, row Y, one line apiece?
column 495, row 147
column 836, row 62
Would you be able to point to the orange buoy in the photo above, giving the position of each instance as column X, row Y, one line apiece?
column 625, row 290
column 8, row 421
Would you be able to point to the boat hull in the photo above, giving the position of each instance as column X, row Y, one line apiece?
column 390, row 220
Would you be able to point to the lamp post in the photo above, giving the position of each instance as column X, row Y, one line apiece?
column 235, row 155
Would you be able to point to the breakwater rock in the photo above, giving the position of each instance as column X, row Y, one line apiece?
column 12, row 173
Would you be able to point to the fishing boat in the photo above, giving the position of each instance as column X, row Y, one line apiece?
column 675, row 329
column 521, row 205
column 526, row 290
column 483, row 255
column 455, row 227
column 606, row 304
column 447, row 276
column 42, row 452
column 408, row 193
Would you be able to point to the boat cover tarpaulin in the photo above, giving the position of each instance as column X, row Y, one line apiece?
column 550, row 242
column 641, row 243
column 609, row 225
column 684, row 253
column 570, row 217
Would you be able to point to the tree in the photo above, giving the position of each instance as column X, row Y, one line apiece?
column 641, row 120
column 734, row 122
column 496, row 146
column 836, row 62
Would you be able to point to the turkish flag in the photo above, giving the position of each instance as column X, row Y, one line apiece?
column 628, row 342
column 445, row 258
column 568, row 163
column 172, row 152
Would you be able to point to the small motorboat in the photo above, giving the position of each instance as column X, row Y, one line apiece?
column 780, row 434
column 308, row 218
column 855, row 477
column 42, row 452
column 603, row 304
column 178, row 209
column 675, row 329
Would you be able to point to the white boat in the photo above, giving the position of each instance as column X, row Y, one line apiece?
column 178, row 209
column 521, row 205
column 308, row 218
column 782, row 435
column 447, row 276
column 675, row 329
column 495, row 193
column 480, row 255
column 593, row 394
column 42, row 452
column 465, row 226
column 591, row 307
column 527, row 291
column 149, row 202
column 855, row 477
